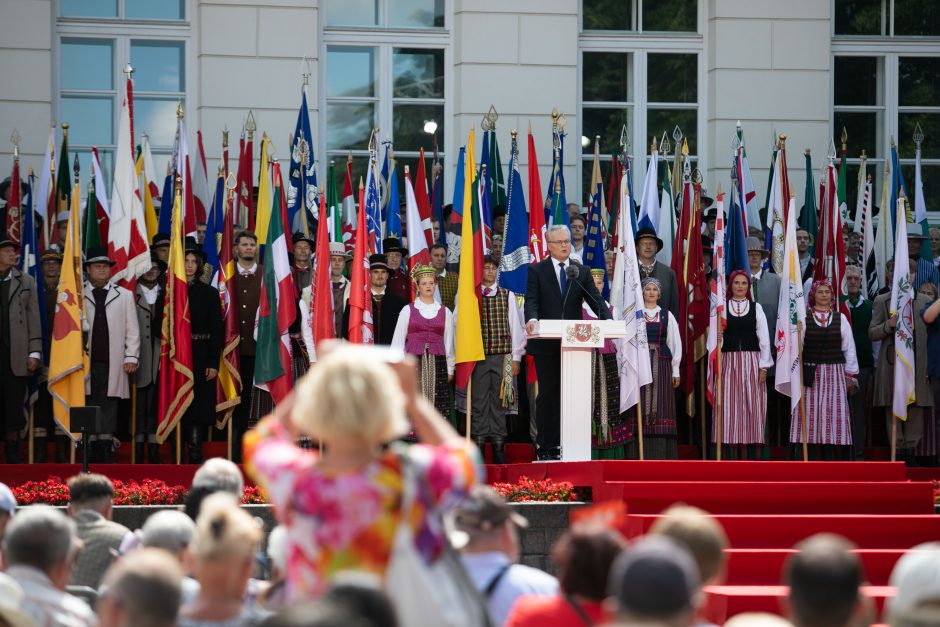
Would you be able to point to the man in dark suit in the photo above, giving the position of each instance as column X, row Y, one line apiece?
column 551, row 293
column 385, row 305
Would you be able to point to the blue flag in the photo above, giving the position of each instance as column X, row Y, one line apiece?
column 302, row 190
column 214, row 222
column 393, row 213
column 166, row 206
column 373, row 212
column 557, row 210
column 382, row 185
column 459, row 176
column 594, row 240
column 437, row 203
column 735, row 237
column 486, row 206
column 31, row 265
column 514, row 264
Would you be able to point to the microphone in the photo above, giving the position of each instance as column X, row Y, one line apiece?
column 572, row 272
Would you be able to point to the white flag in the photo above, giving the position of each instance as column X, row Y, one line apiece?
column 791, row 315
column 666, row 227
column 859, row 198
column 884, row 235
column 718, row 298
column 776, row 211
column 867, row 225
column 902, row 304
column 626, row 299
column 649, row 205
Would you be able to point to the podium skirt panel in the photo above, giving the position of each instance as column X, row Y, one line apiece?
column 548, row 403
column 610, row 430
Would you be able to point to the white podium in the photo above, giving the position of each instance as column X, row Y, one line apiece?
column 578, row 338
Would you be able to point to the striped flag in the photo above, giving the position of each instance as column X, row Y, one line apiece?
column 418, row 238
column 538, row 248
column 902, row 305
column 229, row 384
column 791, row 313
column 149, row 190
column 649, row 204
column 866, row 223
column 423, row 201
column 514, row 263
column 350, row 219
column 277, row 309
column 67, row 359
column 717, row 315
column 321, row 297
column 469, row 330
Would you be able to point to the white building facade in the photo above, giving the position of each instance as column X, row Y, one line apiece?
column 806, row 68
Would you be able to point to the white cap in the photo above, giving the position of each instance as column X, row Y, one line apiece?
column 916, row 578
column 7, row 500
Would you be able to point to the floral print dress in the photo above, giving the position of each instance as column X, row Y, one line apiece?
column 347, row 521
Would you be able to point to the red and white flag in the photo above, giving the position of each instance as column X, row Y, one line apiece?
column 418, row 248
column 201, row 195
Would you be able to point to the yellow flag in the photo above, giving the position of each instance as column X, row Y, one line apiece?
column 469, row 334
column 263, row 211
column 150, row 213
column 67, row 362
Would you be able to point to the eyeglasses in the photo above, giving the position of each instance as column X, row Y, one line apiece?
column 563, row 242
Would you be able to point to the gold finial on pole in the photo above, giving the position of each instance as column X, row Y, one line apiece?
column 75, row 168
column 225, row 137
column 129, row 71
column 65, row 130
column 845, row 138
column 806, row 152
column 250, row 125
column 15, row 140
column 864, row 155
column 653, row 145
column 179, row 109
column 514, row 134
column 783, row 140
column 407, row 169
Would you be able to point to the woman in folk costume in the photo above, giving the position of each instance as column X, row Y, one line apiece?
column 830, row 372
column 426, row 329
column 745, row 358
column 658, row 399
column 611, row 431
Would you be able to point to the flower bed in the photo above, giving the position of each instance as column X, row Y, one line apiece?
column 54, row 491
column 527, row 490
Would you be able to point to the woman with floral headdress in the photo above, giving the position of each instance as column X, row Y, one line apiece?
column 658, row 400
column 611, row 430
column 426, row 329
column 830, row 370
column 745, row 358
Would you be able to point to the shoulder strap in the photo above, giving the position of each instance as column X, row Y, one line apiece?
column 579, row 610
column 494, row 582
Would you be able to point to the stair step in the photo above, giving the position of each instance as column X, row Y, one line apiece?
column 723, row 602
column 764, row 567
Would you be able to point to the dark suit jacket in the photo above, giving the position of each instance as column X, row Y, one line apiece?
column 384, row 317
column 669, row 294
column 205, row 310
column 544, row 300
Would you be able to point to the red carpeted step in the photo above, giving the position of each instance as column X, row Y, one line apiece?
column 923, row 474
column 764, row 567
column 752, row 471
column 723, row 602
column 784, row 531
column 811, row 497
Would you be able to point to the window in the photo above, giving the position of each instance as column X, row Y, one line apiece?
column 93, row 48
column 887, row 18
column 648, row 83
column 377, row 77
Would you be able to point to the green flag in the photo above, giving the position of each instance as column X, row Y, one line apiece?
column 335, row 209
column 91, row 233
column 63, row 181
column 809, row 221
column 495, row 172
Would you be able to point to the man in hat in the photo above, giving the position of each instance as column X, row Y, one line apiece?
column 150, row 296
column 339, row 283
column 303, row 248
column 647, row 245
column 446, row 279
column 247, row 297
column 160, row 246
column 399, row 282
column 113, row 344
column 44, row 427
column 486, row 530
column 926, row 271
column 551, row 294
column 385, row 305
column 709, row 217
column 765, row 289
column 20, row 344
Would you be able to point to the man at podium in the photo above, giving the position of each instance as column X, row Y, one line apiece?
column 556, row 287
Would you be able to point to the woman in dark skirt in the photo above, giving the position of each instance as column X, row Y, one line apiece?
column 611, row 430
column 658, row 399
column 205, row 312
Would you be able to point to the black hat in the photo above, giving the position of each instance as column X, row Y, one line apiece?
column 160, row 239
column 98, row 254
column 378, row 261
column 300, row 237
column 648, row 232
column 392, row 245
column 192, row 246
column 53, row 252
column 710, row 214
column 6, row 242
column 5, row 185
column 154, row 258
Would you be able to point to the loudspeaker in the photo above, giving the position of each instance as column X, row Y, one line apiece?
column 91, row 420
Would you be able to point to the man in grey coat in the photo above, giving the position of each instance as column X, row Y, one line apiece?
column 647, row 245
column 20, row 345
column 765, row 288
column 150, row 297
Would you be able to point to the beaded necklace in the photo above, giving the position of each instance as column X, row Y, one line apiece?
column 822, row 318
column 739, row 306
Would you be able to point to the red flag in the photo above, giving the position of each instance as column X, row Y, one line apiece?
column 418, row 247
column 321, row 299
column 175, row 392
column 14, row 219
column 349, row 207
column 229, row 386
column 423, row 202
column 537, row 232
column 829, row 262
column 360, row 298
column 613, row 200
column 246, row 194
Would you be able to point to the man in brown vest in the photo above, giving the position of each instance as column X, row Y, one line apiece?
column 339, row 283
column 446, row 280
column 248, row 297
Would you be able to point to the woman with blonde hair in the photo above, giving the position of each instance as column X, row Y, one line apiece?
column 226, row 542
column 343, row 507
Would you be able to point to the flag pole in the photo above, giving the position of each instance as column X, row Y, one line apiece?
column 639, row 423
column 178, row 456
column 799, row 348
column 702, row 376
column 229, row 437
column 469, row 410
column 894, row 437
column 718, row 417
column 134, row 418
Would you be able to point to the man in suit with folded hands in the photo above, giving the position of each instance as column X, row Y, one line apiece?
column 555, row 289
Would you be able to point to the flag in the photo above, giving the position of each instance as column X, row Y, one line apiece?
column 538, row 247
column 736, row 235
column 67, row 359
column 768, row 227
column 321, row 297
column 556, row 187
column 127, row 241
column 649, row 204
column 229, row 384
column 791, row 316
column 14, row 206
column 829, row 262
column 334, row 218
column 214, row 222
column 166, row 204
column 469, row 331
column 867, row 225
column 101, row 205
column 245, row 210
column 302, row 189
column 902, row 305
column 718, row 300
column 777, row 205
column 884, row 236
column 809, row 218
column 373, row 210
column 393, row 224
column 494, row 169
column 175, row 391
column 63, row 187
column 265, row 199
column 360, row 295
column 184, row 168
column 418, row 240
column 277, row 309
column 841, row 190
column 46, row 197
column 666, row 228
column 437, row 199
column 920, row 208
column 91, row 234
column 200, row 175
column 692, row 285
column 150, row 192
column 381, row 186
column 860, row 192
column 30, row 263
column 751, row 210
column 594, row 238
column 350, row 219
column 626, row 299
column 423, row 202
column 514, row 263
column 486, row 208
column 613, row 199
